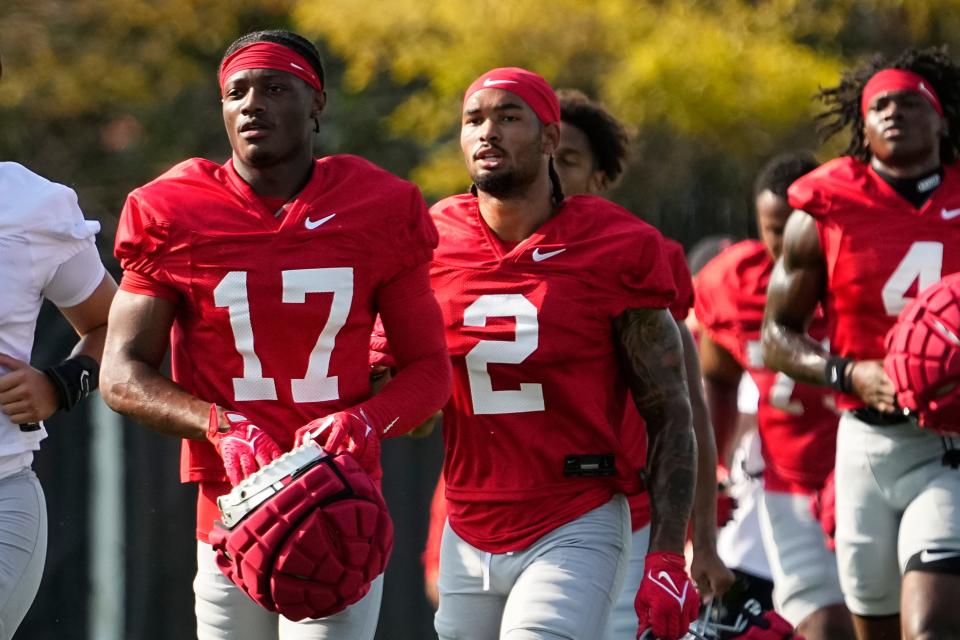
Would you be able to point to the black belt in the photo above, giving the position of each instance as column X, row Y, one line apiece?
column 879, row 418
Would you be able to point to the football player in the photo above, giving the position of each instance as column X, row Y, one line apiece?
column 797, row 424
column 872, row 228
column 47, row 250
column 263, row 275
column 590, row 159
column 553, row 307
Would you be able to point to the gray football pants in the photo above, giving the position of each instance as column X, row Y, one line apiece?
column 561, row 587
column 23, row 547
column 623, row 622
column 895, row 499
column 224, row 612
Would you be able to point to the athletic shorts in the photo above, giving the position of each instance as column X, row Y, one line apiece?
column 888, row 476
column 562, row 586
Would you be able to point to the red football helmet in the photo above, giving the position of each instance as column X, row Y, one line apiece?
column 305, row 535
column 923, row 356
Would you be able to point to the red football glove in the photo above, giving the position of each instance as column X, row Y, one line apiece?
column 345, row 432
column 243, row 446
column 667, row 602
column 777, row 629
column 823, row 506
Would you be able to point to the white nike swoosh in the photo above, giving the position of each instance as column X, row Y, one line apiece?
column 390, row 426
column 672, row 588
column 313, row 224
column 539, row 256
column 949, row 214
column 490, row 82
column 933, row 556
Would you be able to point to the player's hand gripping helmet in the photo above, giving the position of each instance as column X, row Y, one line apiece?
column 752, row 623
column 923, row 356
column 305, row 535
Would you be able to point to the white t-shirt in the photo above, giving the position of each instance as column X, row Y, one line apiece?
column 41, row 230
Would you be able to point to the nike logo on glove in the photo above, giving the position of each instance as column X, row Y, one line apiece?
column 313, row 224
column 949, row 214
column 669, row 586
column 539, row 256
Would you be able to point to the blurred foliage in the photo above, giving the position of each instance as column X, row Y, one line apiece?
column 106, row 94
column 103, row 95
column 713, row 87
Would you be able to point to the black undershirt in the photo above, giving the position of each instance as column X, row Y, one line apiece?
column 916, row 190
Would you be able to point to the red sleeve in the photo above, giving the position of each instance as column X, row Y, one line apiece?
column 807, row 195
column 412, row 320
column 139, row 248
column 682, row 280
column 648, row 282
column 715, row 311
column 135, row 282
column 438, row 517
column 416, row 236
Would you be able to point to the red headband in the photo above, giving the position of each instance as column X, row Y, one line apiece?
column 526, row 85
column 896, row 80
column 269, row 55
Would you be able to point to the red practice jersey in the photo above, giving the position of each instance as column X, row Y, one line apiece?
column 797, row 422
column 633, row 432
column 274, row 314
column 536, row 375
column 880, row 250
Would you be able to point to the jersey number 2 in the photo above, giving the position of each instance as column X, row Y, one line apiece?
column 317, row 385
column 487, row 400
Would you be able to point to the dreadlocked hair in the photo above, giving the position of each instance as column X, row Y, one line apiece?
column 288, row 39
column 609, row 140
column 556, row 190
column 843, row 100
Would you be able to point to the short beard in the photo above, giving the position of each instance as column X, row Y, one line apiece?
column 499, row 185
column 504, row 185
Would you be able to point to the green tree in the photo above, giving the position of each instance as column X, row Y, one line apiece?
column 105, row 94
column 713, row 88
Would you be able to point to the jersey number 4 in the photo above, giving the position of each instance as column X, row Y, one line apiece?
column 317, row 385
column 922, row 264
column 487, row 400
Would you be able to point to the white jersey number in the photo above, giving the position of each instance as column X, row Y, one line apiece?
column 316, row 385
column 922, row 264
column 781, row 393
column 529, row 397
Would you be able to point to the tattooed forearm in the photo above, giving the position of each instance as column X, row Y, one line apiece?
column 652, row 359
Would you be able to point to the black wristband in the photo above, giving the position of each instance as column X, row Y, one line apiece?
column 836, row 374
column 74, row 379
